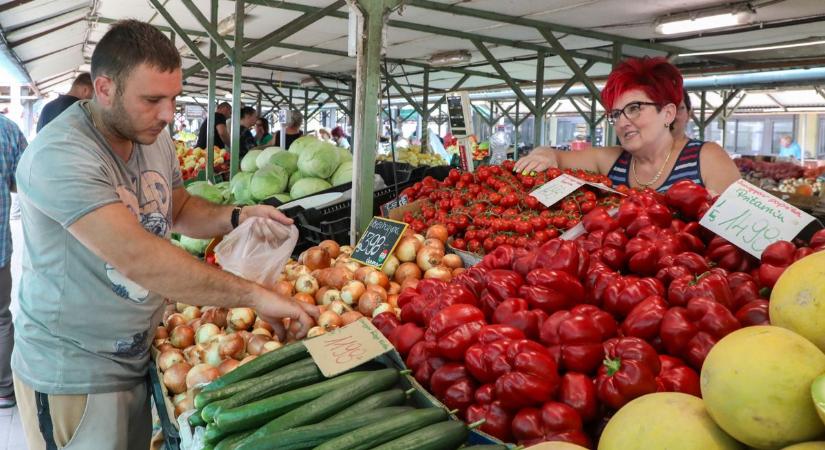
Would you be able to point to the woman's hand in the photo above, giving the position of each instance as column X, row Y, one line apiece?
column 538, row 160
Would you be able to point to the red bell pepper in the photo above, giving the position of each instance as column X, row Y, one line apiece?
column 501, row 258
column 497, row 419
column 709, row 285
column 728, row 256
column 626, row 292
column 743, row 288
column 691, row 332
column 754, row 313
column 386, row 323
column 642, row 256
column 688, row 198
column 817, row 241
column 474, row 279
column 629, row 371
column 454, row 330
column 598, row 279
column 695, row 263
column 802, row 252
column 566, row 256
column 403, row 337
column 769, row 274
column 578, row 391
column 453, row 294
column 492, row 333
column 667, row 274
column 516, row 313
column 501, row 285
column 553, row 422
column 645, row 320
column 575, row 337
column 779, row 253
column 551, row 290
column 675, row 376
column 452, row 384
column 423, row 362
column 599, row 219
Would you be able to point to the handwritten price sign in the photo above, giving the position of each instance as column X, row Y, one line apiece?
column 347, row 347
column 556, row 189
column 378, row 241
column 752, row 219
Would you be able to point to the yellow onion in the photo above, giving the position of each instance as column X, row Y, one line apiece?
column 175, row 377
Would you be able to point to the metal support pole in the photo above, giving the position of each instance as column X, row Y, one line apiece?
column 425, row 115
column 538, row 117
column 610, row 139
column 211, row 102
column 516, row 123
column 593, row 121
column 237, row 74
column 365, row 130
column 258, row 106
column 703, row 124
column 492, row 117
column 306, row 110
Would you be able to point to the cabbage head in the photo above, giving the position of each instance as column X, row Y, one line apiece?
column 299, row 145
column 249, row 163
column 343, row 154
column 226, row 191
column 239, row 186
column 297, row 175
column 265, row 155
column 289, row 161
column 343, row 174
column 283, row 198
column 205, row 191
column 267, row 182
column 194, row 246
column 319, row 161
column 308, row 186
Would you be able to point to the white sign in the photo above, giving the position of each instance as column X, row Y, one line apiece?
column 556, row 189
column 752, row 219
column 347, row 347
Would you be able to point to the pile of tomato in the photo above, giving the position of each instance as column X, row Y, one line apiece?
column 493, row 206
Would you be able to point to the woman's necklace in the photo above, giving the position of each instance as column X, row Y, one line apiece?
column 658, row 174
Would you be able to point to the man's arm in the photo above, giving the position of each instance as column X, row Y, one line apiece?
column 223, row 132
column 112, row 233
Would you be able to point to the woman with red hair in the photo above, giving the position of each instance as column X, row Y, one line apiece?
column 641, row 98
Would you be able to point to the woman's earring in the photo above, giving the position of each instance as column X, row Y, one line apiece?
column 667, row 125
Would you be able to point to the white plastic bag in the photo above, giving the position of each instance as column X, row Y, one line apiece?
column 257, row 250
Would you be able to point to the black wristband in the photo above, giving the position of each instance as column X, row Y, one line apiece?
column 236, row 216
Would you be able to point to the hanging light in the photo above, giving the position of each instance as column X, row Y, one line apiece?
column 450, row 58
column 702, row 20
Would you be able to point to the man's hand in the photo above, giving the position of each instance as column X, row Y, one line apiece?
column 272, row 308
column 538, row 160
column 268, row 228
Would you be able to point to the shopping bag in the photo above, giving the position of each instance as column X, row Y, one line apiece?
column 257, row 250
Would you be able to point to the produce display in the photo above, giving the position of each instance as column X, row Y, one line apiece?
column 492, row 207
column 193, row 160
column 414, row 157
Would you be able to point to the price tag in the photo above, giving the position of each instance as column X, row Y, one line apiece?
column 394, row 204
column 347, row 347
column 556, row 189
column 752, row 219
column 378, row 242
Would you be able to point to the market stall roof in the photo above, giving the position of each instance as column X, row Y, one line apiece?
column 54, row 39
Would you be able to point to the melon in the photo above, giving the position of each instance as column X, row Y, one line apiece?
column 797, row 303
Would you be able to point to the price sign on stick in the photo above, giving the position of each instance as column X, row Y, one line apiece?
column 347, row 347
column 378, row 242
column 752, row 219
column 556, row 189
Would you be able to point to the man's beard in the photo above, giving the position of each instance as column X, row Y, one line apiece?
column 119, row 122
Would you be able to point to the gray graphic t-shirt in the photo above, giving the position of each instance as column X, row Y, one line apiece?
column 83, row 327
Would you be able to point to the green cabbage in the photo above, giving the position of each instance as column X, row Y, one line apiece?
column 302, row 143
column 226, row 191
column 343, row 154
column 308, row 186
column 265, row 156
column 268, row 181
column 248, row 163
column 283, row 198
column 289, row 161
column 205, row 191
column 194, row 246
column 297, row 175
column 343, row 174
column 239, row 186
column 319, row 161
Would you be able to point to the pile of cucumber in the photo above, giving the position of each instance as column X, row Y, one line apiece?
column 280, row 400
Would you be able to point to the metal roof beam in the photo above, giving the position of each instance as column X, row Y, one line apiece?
column 331, row 95
column 509, row 80
column 319, row 74
column 403, row 92
column 444, row 97
column 211, row 29
column 778, row 103
column 573, row 65
column 179, row 31
column 726, row 101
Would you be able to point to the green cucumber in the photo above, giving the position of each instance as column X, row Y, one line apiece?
column 308, row 436
column 261, row 365
column 392, row 397
column 385, row 430
column 287, row 378
column 213, row 435
column 255, row 414
column 231, row 441
column 196, row 420
column 205, row 398
column 448, row 435
column 365, row 384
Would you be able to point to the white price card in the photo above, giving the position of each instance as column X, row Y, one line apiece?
column 752, row 219
column 556, row 189
column 347, row 347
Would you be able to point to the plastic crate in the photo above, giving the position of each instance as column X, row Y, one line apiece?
column 440, row 173
column 171, row 436
column 394, row 173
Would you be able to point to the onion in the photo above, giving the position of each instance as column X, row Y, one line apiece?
column 256, row 344
column 214, row 315
column 350, row 317
column 244, row 335
column 329, row 320
column 167, row 311
column 368, row 302
column 182, row 336
column 315, row 331
column 338, row 307
column 165, row 345
column 206, row 332
column 434, row 243
column 391, row 265
column 346, row 250
column 394, row 288
column 382, row 308
column 228, row 365
column 241, row 318
column 169, row 358
column 392, row 299
column 161, row 333
column 407, row 270
column 330, row 296
column 193, row 354
column 211, row 353
column 175, row 378
column 440, row 273
column 191, row 312
column 429, row 257
column 292, row 273
column 362, row 272
column 262, row 332
column 378, row 290
column 259, row 323
column 306, row 284
column 452, row 261
column 420, row 238
column 334, row 277
column 283, row 288
column 181, row 307
column 317, row 258
column 270, row 346
column 409, row 283
column 331, row 247
column 183, row 402
column 231, row 345
column 438, row 231
column 352, row 291
column 459, row 271
column 377, row 278
column 352, row 266
column 319, row 294
column 195, row 323
column 305, row 298
column 201, row 374
column 174, row 321
column 407, row 249
column 248, row 358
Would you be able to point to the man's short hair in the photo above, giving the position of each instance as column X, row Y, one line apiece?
column 247, row 111
column 224, row 105
column 84, row 79
column 129, row 43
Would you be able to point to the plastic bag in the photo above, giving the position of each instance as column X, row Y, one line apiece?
column 247, row 253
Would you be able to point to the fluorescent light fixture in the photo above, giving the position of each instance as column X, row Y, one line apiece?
column 756, row 49
column 450, row 58
column 308, row 82
column 704, row 20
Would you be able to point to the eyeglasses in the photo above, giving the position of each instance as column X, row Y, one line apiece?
column 631, row 111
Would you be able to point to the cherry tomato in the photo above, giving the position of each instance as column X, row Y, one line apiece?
column 459, row 243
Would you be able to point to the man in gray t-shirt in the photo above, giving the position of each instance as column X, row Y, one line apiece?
column 100, row 193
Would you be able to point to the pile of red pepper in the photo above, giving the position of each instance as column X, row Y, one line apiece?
column 545, row 344
column 492, row 207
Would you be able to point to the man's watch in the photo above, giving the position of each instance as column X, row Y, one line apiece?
column 236, row 216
